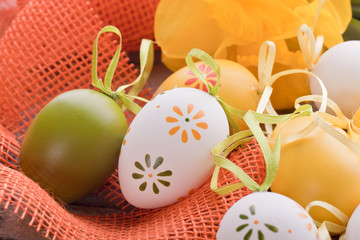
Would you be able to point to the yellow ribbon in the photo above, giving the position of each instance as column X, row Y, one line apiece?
column 354, row 132
column 327, row 227
column 325, row 121
column 321, row 3
column 266, row 63
column 310, row 46
column 253, row 119
column 146, row 63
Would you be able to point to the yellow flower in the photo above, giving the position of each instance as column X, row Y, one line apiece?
column 235, row 29
column 334, row 18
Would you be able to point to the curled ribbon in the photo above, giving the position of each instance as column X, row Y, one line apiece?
column 252, row 119
column 327, row 227
column 265, row 103
column 146, row 63
column 310, row 46
column 272, row 155
column 266, row 63
column 326, row 122
column 213, row 90
column 354, row 132
column 222, row 149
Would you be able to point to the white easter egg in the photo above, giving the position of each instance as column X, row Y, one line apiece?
column 339, row 70
column 166, row 153
column 267, row 215
column 352, row 229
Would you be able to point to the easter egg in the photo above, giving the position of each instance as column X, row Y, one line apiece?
column 338, row 69
column 167, row 151
column 267, row 215
column 352, row 228
column 73, row 144
column 238, row 86
column 317, row 167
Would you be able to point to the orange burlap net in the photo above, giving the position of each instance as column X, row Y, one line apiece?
column 196, row 217
column 46, row 50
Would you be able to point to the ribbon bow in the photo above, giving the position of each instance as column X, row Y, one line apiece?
column 146, row 63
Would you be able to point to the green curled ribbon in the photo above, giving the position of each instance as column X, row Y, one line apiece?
column 146, row 63
column 213, row 90
column 253, row 120
column 271, row 157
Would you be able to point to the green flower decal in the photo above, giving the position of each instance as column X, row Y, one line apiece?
column 244, row 226
column 149, row 174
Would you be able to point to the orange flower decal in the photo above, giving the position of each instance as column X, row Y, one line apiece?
column 308, row 225
column 189, row 120
column 208, row 74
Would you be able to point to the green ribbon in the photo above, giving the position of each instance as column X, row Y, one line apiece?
column 213, row 90
column 253, row 120
column 271, row 158
column 146, row 63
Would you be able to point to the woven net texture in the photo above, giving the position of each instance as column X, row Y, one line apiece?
column 46, row 49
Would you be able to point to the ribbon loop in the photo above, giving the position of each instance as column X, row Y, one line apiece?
column 146, row 63
column 276, row 76
column 106, row 88
column 310, row 46
column 207, row 59
column 266, row 63
column 327, row 227
column 221, row 150
column 213, row 90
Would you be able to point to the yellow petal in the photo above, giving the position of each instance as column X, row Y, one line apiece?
column 235, row 29
column 341, row 11
column 182, row 25
column 333, row 20
column 257, row 20
column 173, row 63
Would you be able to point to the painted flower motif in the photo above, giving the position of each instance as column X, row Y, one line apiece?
column 309, row 225
column 208, row 74
column 189, row 120
column 149, row 174
column 250, row 231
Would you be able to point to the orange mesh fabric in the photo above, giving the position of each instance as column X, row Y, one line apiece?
column 46, row 50
column 196, row 217
column 9, row 149
column 8, row 10
column 134, row 18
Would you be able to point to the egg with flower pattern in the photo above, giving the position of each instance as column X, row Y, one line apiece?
column 166, row 153
column 267, row 216
column 238, row 86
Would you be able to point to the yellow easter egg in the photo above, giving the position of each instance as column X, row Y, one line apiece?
column 288, row 88
column 317, row 167
column 238, row 86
